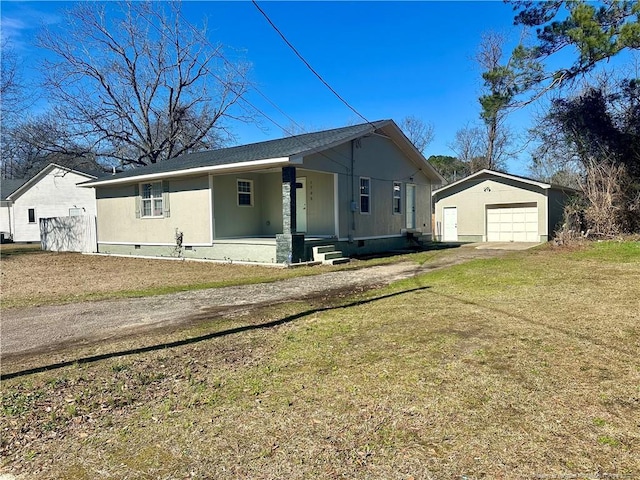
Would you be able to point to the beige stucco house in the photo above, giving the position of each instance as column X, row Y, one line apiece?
column 355, row 190
column 490, row 206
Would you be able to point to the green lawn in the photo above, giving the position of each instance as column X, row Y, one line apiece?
column 520, row 367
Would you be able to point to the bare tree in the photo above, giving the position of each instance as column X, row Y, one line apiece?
column 468, row 146
column 10, row 102
column 420, row 133
column 613, row 204
column 138, row 84
column 38, row 141
column 9, row 78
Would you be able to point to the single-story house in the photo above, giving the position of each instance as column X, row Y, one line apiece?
column 355, row 190
column 52, row 192
column 490, row 206
column 7, row 187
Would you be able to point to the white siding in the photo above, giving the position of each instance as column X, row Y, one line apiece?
column 51, row 196
column 5, row 216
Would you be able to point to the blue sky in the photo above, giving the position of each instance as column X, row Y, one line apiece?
column 387, row 59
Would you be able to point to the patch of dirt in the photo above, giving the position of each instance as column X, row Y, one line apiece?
column 30, row 332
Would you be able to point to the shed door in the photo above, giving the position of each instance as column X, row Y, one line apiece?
column 517, row 223
column 450, row 219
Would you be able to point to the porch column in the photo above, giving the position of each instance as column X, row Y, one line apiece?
column 289, row 244
column 289, row 200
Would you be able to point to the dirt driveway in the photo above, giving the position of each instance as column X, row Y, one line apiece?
column 32, row 331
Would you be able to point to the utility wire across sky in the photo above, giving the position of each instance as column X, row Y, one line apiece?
column 299, row 55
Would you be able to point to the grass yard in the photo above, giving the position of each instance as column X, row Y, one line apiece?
column 31, row 277
column 525, row 366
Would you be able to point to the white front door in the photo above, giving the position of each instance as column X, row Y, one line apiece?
column 301, row 204
column 411, row 205
column 450, row 219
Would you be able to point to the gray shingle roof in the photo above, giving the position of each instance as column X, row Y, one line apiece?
column 7, row 187
column 283, row 147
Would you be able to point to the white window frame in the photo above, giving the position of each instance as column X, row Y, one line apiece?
column 366, row 195
column 151, row 200
column 396, row 200
column 243, row 192
column 35, row 216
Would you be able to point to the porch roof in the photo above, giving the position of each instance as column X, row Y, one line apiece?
column 269, row 153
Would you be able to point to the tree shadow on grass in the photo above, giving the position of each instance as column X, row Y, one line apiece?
column 201, row 338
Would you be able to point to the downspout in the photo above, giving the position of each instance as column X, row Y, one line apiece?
column 352, row 228
column 11, row 226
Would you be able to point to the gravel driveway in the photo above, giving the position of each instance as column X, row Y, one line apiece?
column 33, row 330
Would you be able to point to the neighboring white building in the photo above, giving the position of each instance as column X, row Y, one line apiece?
column 7, row 187
column 53, row 192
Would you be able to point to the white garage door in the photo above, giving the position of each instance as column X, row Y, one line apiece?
column 512, row 224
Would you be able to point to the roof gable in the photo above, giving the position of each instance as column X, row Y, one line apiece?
column 486, row 173
column 42, row 173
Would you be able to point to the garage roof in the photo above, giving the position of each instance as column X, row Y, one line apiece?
column 509, row 176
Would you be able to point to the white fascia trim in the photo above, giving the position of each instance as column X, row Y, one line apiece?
column 235, row 167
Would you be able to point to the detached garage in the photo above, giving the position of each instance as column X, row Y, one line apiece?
column 491, row 206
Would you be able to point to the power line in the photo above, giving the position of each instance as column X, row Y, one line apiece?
column 307, row 63
column 241, row 97
column 235, row 69
column 259, row 111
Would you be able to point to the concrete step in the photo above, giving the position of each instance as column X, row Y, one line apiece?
column 328, row 255
column 331, row 255
column 323, row 249
column 337, row 261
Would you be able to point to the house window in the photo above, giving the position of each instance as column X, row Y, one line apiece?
column 32, row 215
column 365, row 192
column 151, row 199
column 397, row 197
column 245, row 193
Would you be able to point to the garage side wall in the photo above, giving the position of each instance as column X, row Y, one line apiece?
column 472, row 199
column 557, row 201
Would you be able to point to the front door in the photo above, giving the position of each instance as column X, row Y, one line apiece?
column 450, row 218
column 301, row 204
column 411, row 206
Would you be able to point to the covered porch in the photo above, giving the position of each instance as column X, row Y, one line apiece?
column 276, row 216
